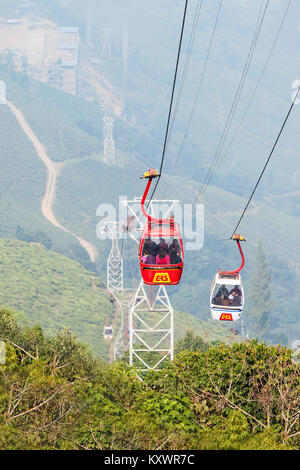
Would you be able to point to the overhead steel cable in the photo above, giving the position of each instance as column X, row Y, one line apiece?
column 236, row 98
column 259, row 80
column 199, row 85
column 198, row 88
column 267, row 162
column 187, row 61
column 171, row 101
column 122, row 245
column 235, row 101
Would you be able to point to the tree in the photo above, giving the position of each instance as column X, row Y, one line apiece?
column 191, row 342
column 261, row 303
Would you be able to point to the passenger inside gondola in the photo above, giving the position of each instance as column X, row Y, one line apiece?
column 235, row 295
column 176, row 246
column 217, row 299
column 226, row 296
column 223, row 290
column 148, row 258
column 236, row 289
column 163, row 245
column 174, row 256
column 162, row 257
column 236, row 300
column 166, row 251
column 150, row 246
column 226, row 301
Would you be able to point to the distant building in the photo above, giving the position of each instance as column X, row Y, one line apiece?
column 67, row 29
column 13, row 21
column 96, row 61
column 68, row 46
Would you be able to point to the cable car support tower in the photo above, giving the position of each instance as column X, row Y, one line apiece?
column 114, row 261
column 115, row 287
column 151, row 316
column 147, row 316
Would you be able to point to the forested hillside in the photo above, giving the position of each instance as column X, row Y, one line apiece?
column 54, row 395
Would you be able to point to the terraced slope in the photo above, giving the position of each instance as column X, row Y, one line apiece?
column 56, row 292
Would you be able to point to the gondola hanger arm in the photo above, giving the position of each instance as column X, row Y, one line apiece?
column 238, row 238
column 150, row 175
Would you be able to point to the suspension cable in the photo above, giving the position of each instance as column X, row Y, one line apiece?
column 171, row 101
column 197, row 93
column 187, row 61
column 266, row 164
column 236, row 99
column 258, row 81
column 199, row 86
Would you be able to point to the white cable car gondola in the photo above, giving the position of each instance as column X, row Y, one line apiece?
column 227, row 292
column 108, row 332
column 108, row 328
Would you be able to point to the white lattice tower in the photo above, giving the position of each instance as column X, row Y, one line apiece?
column 147, row 317
column 114, row 261
column 106, row 49
column 151, row 316
column 122, row 339
column 108, row 140
column 108, row 132
column 115, row 286
column 133, row 207
column 151, row 328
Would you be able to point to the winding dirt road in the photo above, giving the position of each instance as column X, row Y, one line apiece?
column 52, row 169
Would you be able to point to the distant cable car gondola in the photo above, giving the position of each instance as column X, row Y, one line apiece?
column 108, row 332
column 227, row 292
column 160, row 250
column 108, row 328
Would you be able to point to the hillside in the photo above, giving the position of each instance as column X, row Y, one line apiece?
column 92, row 94
column 70, row 128
column 55, row 396
column 55, row 292
column 86, row 181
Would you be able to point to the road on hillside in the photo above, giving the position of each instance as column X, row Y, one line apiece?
column 49, row 195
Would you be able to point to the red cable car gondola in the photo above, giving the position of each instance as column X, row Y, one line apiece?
column 160, row 250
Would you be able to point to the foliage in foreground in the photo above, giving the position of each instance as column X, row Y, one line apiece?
column 54, row 395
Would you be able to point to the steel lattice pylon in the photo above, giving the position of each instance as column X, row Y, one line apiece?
column 114, row 261
column 106, row 48
column 151, row 326
column 151, row 316
column 108, row 130
column 121, row 343
column 133, row 208
column 108, row 140
column 115, row 286
column 147, row 316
